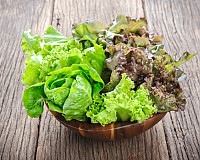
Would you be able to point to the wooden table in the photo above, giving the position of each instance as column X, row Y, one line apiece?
column 177, row 136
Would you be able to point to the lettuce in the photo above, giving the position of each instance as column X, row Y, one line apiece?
column 133, row 50
column 122, row 104
column 156, row 72
column 55, row 52
column 31, row 44
column 87, row 32
column 33, row 100
column 102, row 75
column 46, row 55
column 70, row 90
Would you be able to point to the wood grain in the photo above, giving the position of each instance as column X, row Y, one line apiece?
column 176, row 137
column 178, row 22
column 18, row 132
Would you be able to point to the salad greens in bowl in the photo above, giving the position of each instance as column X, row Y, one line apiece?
column 102, row 75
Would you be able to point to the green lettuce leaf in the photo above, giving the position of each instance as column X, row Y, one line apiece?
column 122, row 104
column 71, row 89
column 56, row 52
column 46, row 59
column 33, row 100
column 94, row 57
column 184, row 58
column 87, row 32
column 80, row 97
column 53, row 36
column 119, row 24
column 53, row 107
column 59, row 57
column 32, row 73
column 31, row 44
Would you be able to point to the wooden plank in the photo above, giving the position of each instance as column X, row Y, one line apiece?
column 56, row 141
column 68, row 12
column 176, row 137
column 179, row 23
column 18, row 132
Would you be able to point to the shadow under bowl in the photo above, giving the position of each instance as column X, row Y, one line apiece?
column 109, row 132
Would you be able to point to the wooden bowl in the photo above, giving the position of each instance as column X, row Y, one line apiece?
column 109, row 132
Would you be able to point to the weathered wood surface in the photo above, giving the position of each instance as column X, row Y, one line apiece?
column 177, row 136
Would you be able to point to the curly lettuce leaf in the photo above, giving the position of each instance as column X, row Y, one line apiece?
column 47, row 55
column 55, row 52
column 37, row 67
column 136, row 25
column 140, row 65
column 127, row 31
column 31, row 44
column 33, row 100
column 59, row 57
column 163, row 85
column 132, row 61
column 122, row 104
column 166, row 101
column 32, row 73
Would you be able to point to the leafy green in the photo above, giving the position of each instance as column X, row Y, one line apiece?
column 132, row 61
column 94, row 57
column 157, row 72
column 71, row 89
column 127, row 24
column 131, row 49
column 122, row 104
column 55, row 52
column 51, row 61
column 32, row 73
column 54, row 107
column 46, row 57
column 53, row 36
column 87, row 32
column 33, row 100
column 31, row 44
column 79, row 99
column 185, row 57
column 112, row 82
column 118, row 24
column 105, row 75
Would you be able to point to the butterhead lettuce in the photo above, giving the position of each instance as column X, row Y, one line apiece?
column 47, row 60
column 71, row 89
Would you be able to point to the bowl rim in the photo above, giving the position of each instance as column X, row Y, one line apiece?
column 98, row 125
